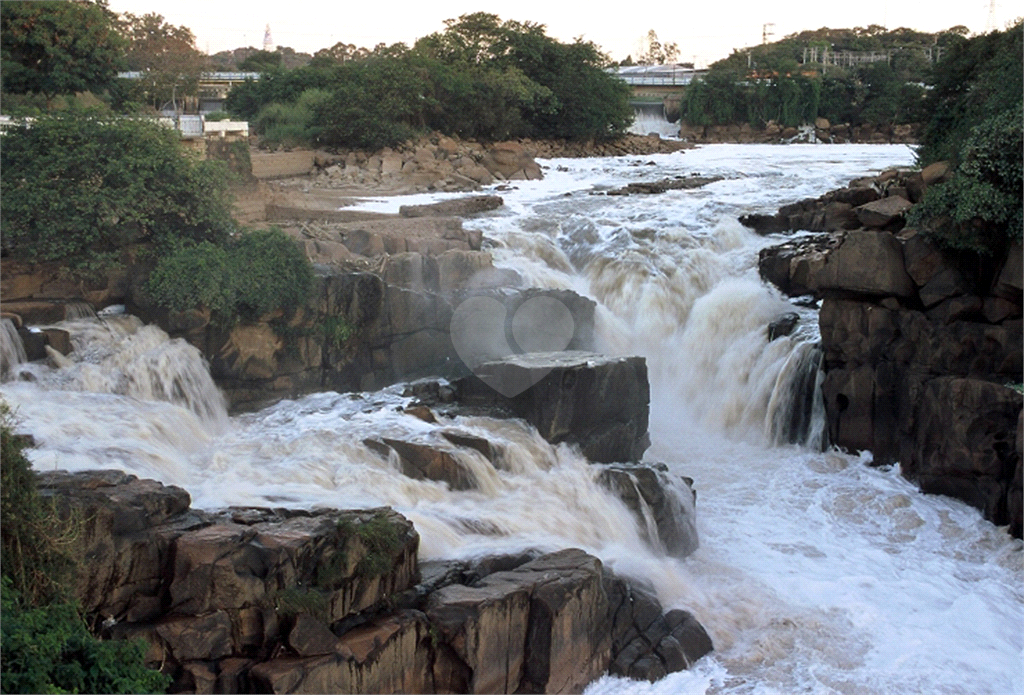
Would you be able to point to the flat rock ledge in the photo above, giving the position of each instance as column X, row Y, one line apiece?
column 277, row 600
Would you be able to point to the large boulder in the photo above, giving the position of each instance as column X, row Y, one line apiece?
column 866, row 262
column 792, row 265
column 882, row 213
column 352, row 560
column 387, row 655
column 597, row 402
column 128, row 528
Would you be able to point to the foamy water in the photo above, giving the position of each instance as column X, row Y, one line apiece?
column 816, row 573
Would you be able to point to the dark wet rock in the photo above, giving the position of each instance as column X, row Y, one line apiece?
column 600, row 403
column 783, row 326
column 657, row 498
column 654, row 187
column 791, row 265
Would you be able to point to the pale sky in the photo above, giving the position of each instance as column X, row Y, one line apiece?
column 705, row 31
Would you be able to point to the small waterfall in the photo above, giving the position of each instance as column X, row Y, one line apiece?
column 650, row 118
column 119, row 355
column 796, row 411
column 78, row 310
column 12, row 349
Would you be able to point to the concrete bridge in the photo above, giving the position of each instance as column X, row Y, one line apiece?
column 652, row 84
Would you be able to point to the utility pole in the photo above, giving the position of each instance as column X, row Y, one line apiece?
column 765, row 33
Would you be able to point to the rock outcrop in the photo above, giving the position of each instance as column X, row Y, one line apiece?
column 921, row 349
column 663, row 504
column 260, row 600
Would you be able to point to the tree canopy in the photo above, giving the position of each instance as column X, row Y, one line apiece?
column 77, row 188
column 55, row 48
column 481, row 77
column 165, row 54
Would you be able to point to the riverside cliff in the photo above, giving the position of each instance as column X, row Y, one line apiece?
column 923, row 354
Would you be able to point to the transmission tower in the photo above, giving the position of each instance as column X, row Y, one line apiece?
column 765, row 33
column 990, row 23
column 268, row 43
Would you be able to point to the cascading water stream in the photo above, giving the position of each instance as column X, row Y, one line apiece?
column 12, row 348
column 650, row 118
column 816, row 573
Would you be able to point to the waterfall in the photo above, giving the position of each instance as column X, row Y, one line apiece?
column 12, row 349
column 650, row 118
column 815, row 572
column 78, row 310
column 119, row 355
column 796, row 411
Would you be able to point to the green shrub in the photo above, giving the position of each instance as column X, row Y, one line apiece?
column 259, row 272
column 46, row 645
column 980, row 209
column 269, row 271
column 76, row 188
column 49, row 650
column 297, row 600
column 194, row 276
column 217, row 116
column 382, row 540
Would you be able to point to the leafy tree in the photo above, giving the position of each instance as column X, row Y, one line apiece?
column 167, row 57
column 262, row 61
column 58, row 48
column 981, row 209
column 77, row 188
column 338, row 53
column 978, row 79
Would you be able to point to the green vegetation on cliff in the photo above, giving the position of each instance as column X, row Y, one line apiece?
column 251, row 275
column 977, row 109
column 46, row 645
column 480, row 78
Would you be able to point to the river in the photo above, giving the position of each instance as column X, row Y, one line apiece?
column 817, row 573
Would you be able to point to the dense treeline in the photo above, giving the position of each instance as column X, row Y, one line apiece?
column 480, row 78
column 782, row 82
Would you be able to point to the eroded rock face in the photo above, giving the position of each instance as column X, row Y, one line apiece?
column 261, row 600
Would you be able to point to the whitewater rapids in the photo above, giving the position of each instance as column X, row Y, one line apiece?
column 816, row 573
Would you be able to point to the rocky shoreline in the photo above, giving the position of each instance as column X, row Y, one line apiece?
column 822, row 131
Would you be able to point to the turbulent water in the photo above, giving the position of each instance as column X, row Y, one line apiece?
column 650, row 118
column 816, row 573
